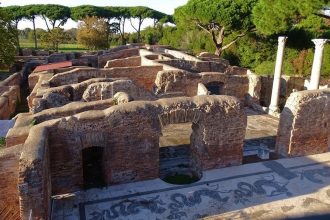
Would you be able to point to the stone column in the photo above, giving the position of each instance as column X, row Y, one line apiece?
column 317, row 63
column 273, row 107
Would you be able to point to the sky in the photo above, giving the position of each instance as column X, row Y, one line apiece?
column 166, row 6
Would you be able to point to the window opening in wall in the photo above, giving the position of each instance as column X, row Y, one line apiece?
column 215, row 88
column 93, row 167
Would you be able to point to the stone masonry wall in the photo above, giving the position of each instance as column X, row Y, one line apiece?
column 304, row 124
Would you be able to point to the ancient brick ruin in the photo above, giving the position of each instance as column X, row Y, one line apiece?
column 114, row 105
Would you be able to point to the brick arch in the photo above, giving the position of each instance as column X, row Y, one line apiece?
column 218, row 128
column 131, row 131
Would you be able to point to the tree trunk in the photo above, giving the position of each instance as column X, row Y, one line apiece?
column 35, row 33
column 123, row 41
column 108, row 33
column 46, row 23
column 218, row 41
column 17, row 37
column 218, row 50
column 139, row 30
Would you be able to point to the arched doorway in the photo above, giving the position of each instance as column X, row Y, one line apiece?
column 177, row 164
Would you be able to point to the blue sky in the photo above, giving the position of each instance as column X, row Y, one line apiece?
column 166, row 6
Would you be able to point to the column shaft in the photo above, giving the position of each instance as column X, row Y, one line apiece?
column 317, row 63
column 277, row 75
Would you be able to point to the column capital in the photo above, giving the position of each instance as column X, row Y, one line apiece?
column 282, row 39
column 319, row 43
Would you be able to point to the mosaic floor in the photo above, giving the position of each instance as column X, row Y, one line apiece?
column 272, row 189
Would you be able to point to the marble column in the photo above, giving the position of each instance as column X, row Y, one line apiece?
column 273, row 107
column 317, row 63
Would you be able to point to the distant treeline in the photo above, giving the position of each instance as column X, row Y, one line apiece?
column 57, row 15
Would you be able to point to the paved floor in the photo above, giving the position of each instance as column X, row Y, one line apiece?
column 261, row 130
column 272, row 189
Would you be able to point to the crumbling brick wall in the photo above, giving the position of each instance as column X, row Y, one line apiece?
column 187, row 82
column 103, row 59
column 9, row 95
column 129, row 134
column 34, row 176
column 304, row 124
column 142, row 75
column 126, row 62
column 9, row 204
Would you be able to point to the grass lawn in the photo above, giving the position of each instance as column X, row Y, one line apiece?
column 62, row 47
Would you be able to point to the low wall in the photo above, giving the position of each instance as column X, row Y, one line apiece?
column 9, row 95
column 144, row 76
column 126, row 62
column 195, row 66
column 103, row 59
column 187, row 83
column 107, row 90
column 19, row 133
column 304, row 124
column 34, row 176
column 12, row 80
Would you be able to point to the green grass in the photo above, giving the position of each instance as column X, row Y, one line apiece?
column 2, row 142
column 62, row 47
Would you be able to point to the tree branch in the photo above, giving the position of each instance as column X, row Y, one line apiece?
column 202, row 27
column 221, row 35
column 236, row 39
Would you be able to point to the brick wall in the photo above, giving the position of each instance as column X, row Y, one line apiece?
column 9, row 204
column 304, row 124
column 103, row 59
column 126, row 62
column 187, row 82
column 143, row 75
column 9, row 95
column 34, row 179
column 130, row 133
